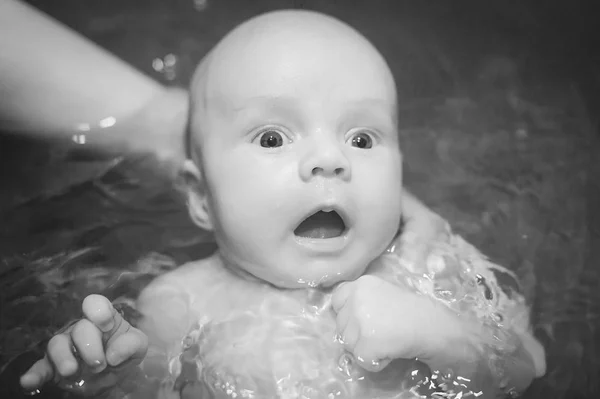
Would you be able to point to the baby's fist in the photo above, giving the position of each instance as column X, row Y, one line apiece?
column 84, row 350
column 378, row 321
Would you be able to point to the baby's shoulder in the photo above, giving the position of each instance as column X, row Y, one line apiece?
column 186, row 278
column 170, row 303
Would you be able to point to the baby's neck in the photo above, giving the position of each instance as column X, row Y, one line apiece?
column 235, row 271
column 312, row 296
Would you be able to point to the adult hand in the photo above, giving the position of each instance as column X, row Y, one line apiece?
column 421, row 229
column 158, row 129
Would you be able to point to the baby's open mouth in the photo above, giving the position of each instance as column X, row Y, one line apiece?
column 321, row 225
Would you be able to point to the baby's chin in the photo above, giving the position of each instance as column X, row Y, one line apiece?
column 296, row 274
column 311, row 280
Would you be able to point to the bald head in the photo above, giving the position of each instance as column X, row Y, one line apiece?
column 289, row 55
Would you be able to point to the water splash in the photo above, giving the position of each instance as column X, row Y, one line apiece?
column 287, row 346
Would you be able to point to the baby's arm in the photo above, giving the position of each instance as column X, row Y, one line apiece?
column 467, row 347
column 492, row 333
column 502, row 335
column 495, row 324
column 379, row 321
column 421, row 229
column 486, row 339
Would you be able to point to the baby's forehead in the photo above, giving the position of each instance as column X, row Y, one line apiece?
column 282, row 59
column 289, row 41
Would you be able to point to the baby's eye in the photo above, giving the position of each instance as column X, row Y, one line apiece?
column 271, row 139
column 361, row 140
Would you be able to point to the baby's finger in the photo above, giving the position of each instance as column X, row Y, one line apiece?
column 101, row 312
column 132, row 346
column 340, row 295
column 343, row 318
column 88, row 341
column 350, row 335
column 37, row 375
column 61, row 355
column 366, row 358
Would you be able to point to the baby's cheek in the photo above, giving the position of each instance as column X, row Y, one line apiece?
column 382, row 213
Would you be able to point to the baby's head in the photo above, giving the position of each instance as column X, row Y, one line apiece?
column 296, row 164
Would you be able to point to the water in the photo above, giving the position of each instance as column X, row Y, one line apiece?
column 504, row 154
column 262, row 342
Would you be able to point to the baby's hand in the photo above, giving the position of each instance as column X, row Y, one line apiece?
column 378, row 321
column 85, row 349
column 423, row 229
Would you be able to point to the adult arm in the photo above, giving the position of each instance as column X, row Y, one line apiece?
column 55, row 84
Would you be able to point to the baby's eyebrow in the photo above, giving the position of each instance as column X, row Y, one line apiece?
column 374, row 110
column 287, row 108
column 279, row 102
column 365, row 110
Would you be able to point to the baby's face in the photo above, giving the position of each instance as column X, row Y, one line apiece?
column 300, row 155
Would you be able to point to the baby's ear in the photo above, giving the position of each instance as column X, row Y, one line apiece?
column 197, row 195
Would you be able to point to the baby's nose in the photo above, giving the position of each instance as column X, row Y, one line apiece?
column 326, row 160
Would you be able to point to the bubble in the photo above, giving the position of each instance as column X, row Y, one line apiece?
column 335, row 389
column 200, row 5
column 167, row 66
column 419, row 375
column 107, row 122
column 170, row 60
column 344, row 365
column 497, row 317
column 521, row 133
column 158, row 65
column 513, row 393
column 79, row 138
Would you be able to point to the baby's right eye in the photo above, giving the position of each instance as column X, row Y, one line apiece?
column 271, row 138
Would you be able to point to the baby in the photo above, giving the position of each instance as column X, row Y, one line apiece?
column 295, row 165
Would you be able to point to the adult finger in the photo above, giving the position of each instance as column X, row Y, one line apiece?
column 88, row 341
column 37, row 375
column 101, row 312
column 60, row 354
column 422, row 229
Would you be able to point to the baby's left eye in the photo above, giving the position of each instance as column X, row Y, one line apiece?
column 271, row 139
column 361, row 140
